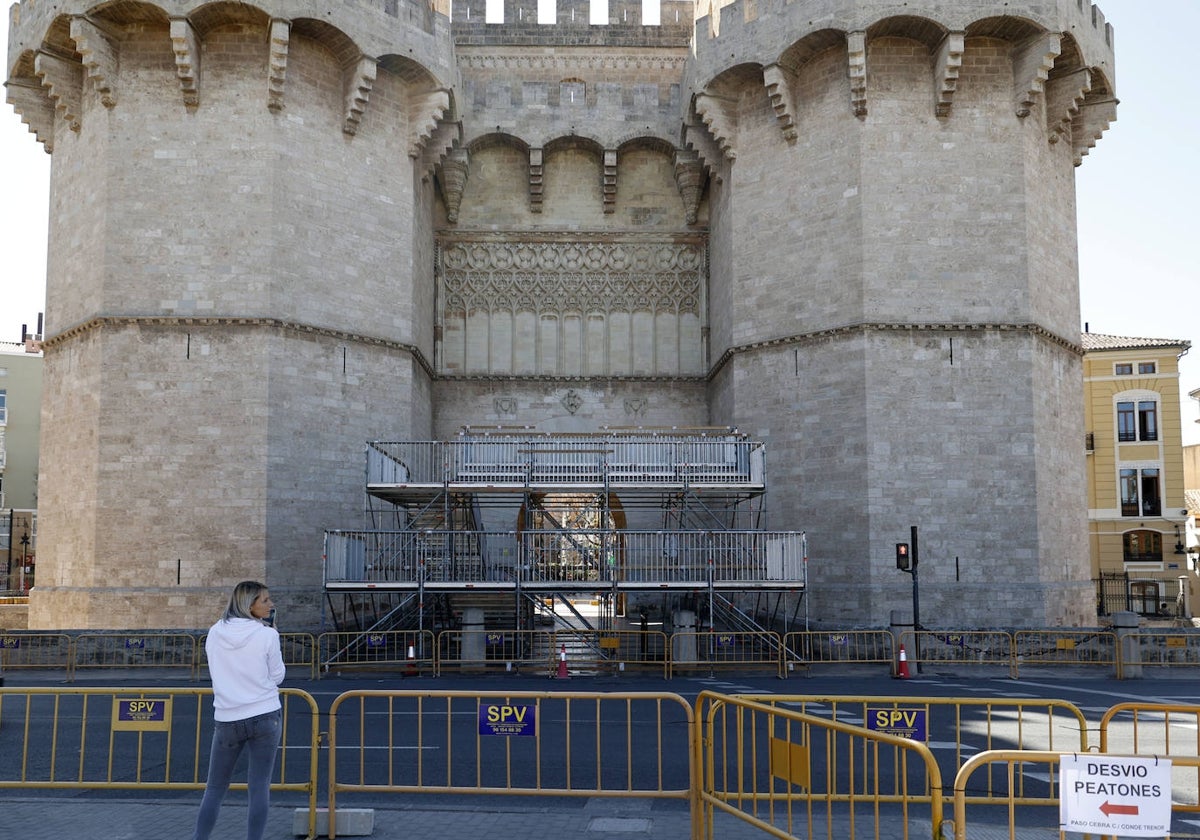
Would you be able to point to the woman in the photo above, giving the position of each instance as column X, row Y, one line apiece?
column 246, row 666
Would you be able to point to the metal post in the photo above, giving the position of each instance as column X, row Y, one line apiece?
column 8, row 569
column 916, row 556
column 24, row 557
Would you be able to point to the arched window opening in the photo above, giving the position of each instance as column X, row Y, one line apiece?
column 1143, row 547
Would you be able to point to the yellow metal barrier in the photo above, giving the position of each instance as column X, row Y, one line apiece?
column 1167, row 649
column 1160, row 729
column 503, row 650
column 347, row 651
column 974, row 724
column 137, row 739
column 849, row 647
column 613, row 650
column 299, row 650
column 709, row 650
column 136, row 650
column 528, row 743
column 958, row 647
column 788, row 772
column 1012, row 759
column 1064, row 648
column 23, row 651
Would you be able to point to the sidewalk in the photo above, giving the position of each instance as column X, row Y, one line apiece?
column 44, row 818
column 80, row 818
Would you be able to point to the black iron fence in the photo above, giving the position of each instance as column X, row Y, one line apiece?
column 1145, row 594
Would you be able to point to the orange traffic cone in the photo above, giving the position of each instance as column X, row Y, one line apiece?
column 411, row 666
column 902, row 668
column 562, row 663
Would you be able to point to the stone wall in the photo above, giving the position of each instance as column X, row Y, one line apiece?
column 231, row 322
column 260, row 218
column 582, row 405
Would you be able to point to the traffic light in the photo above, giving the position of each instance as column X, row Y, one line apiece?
column 903, row 560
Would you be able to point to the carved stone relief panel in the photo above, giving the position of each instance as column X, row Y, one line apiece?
column 571, row 305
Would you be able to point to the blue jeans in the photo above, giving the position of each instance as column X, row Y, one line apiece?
column 260, row 734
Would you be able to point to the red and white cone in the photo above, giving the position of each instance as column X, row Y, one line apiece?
column 562, row 663
column 902, row 667
column 411, row 666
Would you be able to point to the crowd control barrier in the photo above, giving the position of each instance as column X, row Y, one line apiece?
column 299, row 650
column 635, row 744
column 593, row 650
column 138, row 739
column 137, row 651
column 28, row 651
column 793, row 774
column 1117, row 806
column 802, row 766
column 393, row 650
column 1158, row 729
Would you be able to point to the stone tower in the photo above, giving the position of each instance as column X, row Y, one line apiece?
column 282, row 229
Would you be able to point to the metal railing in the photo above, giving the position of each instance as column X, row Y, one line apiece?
column 412, row 650
column 135, row 650
column 840, row 647
column 609, row 647
column 614, row 460
column 45, row 651
column 1177, row 648
column 1014, row 759
column 1154, row 594
column 299, row 650
column 964, row 726
column 710, row 650
column 612, row 651
column 143, row 739
column 1157, row 729
column 1064, row 647
column 959, row 647
column 458, row 742
column 534, row 557
column 804, row 765
column 787, row 772
column 503, row 650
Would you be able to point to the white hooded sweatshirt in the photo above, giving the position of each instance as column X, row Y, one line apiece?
column 246, row 667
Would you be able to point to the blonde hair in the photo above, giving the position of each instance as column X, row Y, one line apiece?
column 244, row 594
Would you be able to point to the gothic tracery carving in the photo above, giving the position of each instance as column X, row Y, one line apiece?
column 572, row 276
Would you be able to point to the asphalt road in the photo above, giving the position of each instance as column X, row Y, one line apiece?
column 424, row 732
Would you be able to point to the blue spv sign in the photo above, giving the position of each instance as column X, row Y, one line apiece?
column 906, row 723
column 507, row 719
column 142, row 714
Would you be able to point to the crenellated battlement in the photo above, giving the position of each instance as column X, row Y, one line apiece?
column 572, row 24
column 1062, row 60
column 762, row 30
column 59, row 60
column 417, row 29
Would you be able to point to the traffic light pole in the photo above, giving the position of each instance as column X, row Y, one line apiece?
column 907, row 557
column 916, row 556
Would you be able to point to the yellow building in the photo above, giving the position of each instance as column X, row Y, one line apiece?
column 1137, row 514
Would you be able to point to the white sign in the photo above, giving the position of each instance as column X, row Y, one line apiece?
column 1119, row 795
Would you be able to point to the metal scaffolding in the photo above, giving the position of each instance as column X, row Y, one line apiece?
column 529, row 516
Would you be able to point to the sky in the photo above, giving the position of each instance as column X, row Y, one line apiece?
column 1136, row 189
